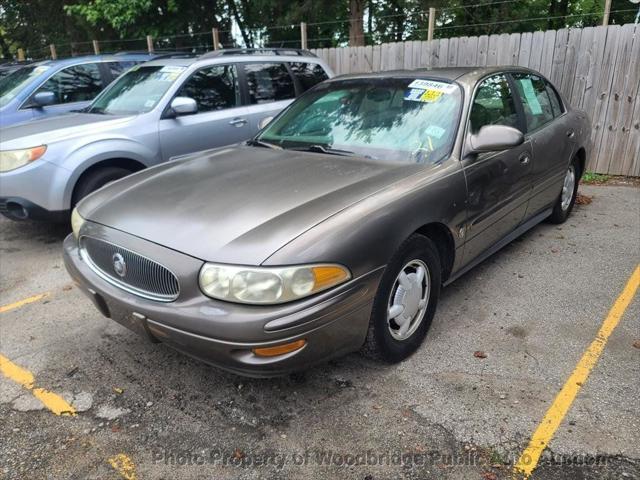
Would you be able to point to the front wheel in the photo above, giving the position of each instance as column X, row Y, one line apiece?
column 567, row 198
column 405, row 302
column 93, row 180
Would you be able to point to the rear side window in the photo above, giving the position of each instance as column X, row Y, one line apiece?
column 268, row 82
column 556, row 104
column 494, row 104
column 116, row 68
column 536, row 102
column 308, row 74
column 213, row 88
column 74, row 84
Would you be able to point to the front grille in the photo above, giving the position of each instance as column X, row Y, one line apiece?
column 140, row 275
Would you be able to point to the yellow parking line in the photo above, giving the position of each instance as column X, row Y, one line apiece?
column 24, row 377
column 122, row 464
column 22, row 303
column 528, row 461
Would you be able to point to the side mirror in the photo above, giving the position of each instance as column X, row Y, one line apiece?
column 493, row 138
column 42, row 99
column 264, row 122
column 183, row 106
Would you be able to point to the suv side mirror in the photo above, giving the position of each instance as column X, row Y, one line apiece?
column 493, row 138
column 264, row 122
column 42, row 99
column 183, row 106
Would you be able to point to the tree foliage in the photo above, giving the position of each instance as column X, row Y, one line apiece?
column 187, row 24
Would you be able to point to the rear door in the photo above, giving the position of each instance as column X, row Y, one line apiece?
column 550, row 134
column 221, row 118
column 269, row 88
column 74, row 88
column 498, row 183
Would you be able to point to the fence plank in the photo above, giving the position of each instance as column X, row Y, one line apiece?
column 483, row 46
column 559, row 54
column 535, row 56
column 525, row 49
column 443, row 52
column 570, row 62
column 548, row 46
column 452, row 54
column 514, row 49
column 492, row 52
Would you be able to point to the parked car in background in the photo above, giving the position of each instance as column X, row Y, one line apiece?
column 337, row 225
column 10, row 67
column 155, row 111
column 53, row 87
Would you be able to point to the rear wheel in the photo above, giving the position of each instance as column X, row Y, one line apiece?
column 567, row 198
column 93, row 180
column 405, row 301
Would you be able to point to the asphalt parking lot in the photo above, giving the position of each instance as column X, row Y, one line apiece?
column 506, row 338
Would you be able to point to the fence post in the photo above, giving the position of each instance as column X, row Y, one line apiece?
column 150, row 43
column 432, row 23
column 54, row 54
column 96, row 47
column 216, row 39
column 20, row 55
column 607, row 9
column 303, row 35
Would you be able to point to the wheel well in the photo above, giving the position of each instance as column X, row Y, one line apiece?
column 439, row 234
column 127, row 163
column 581, row 155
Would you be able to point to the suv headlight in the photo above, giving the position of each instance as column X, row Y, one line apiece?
column 12, row 159
column 268, row 285
column 76, row 222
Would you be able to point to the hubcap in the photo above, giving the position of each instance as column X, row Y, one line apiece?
column 567, row 188
column 408, row 300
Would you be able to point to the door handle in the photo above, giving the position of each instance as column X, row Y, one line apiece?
column 571, row 133
column 238, row 122
column 525, row 159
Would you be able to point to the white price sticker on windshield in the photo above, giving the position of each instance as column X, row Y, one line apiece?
column 433, row 85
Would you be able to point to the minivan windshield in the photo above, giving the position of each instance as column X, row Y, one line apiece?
column 392, row 119
column 11, row 85
column 137, row 91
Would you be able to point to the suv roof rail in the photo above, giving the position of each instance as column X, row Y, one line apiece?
column 259, row 51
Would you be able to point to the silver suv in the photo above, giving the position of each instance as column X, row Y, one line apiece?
column 155, row 111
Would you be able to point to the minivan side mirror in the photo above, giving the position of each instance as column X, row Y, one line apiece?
column 493, row 138
column 42, row 99
column 183, row 106
column 264, row 122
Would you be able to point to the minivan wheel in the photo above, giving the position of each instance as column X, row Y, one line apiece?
column 405, row 302
column 93, row 180
column 567, row 198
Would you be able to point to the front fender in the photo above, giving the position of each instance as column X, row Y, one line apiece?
column 89, row 154
column 364, row 236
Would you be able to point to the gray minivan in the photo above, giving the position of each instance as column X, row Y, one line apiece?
column 153, row 112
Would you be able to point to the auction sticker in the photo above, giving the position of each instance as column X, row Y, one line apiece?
column 433, row 85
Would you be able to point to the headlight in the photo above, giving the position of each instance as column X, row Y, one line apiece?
column 268, row 285
column 12, row 159
column 76, row 222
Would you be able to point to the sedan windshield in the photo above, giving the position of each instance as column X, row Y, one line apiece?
column 137, row 91
column 396, row 120
column 11, row 85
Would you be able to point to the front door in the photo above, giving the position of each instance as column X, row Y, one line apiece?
column 221, row 119
column 498, row 183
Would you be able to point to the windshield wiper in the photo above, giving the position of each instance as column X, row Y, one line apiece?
column 262, row 143
column 322, row 149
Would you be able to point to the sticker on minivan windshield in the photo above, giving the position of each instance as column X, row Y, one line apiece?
column 433, row 85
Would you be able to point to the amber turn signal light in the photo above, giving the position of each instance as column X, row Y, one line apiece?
column 279, row 349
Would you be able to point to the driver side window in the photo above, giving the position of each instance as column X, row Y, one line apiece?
column 213, row 88
column 493, row 104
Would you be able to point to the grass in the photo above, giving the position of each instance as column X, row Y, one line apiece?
column 591, row 178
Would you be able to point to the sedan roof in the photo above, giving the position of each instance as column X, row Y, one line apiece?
column 461, row 74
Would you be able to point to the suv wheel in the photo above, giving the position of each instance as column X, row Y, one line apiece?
column 96, row 179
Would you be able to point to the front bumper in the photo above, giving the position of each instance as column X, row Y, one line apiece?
column 35, row 191
column 223, row 334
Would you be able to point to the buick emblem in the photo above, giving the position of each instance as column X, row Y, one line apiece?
column 119, row 265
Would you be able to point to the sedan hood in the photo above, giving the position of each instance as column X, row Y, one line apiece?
column 237, row 205
column 58, row 128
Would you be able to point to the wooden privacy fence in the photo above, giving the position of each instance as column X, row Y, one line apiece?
column 597, row 69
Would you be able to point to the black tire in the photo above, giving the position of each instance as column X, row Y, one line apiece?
column 380, row 344
column 560, row 215
column 92, row 181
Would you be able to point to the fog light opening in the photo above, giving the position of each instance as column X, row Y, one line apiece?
column 17, row 211
column 279, row 349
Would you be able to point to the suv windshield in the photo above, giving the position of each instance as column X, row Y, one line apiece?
column 397, row 120
column 11, row 85
column 137, row 91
